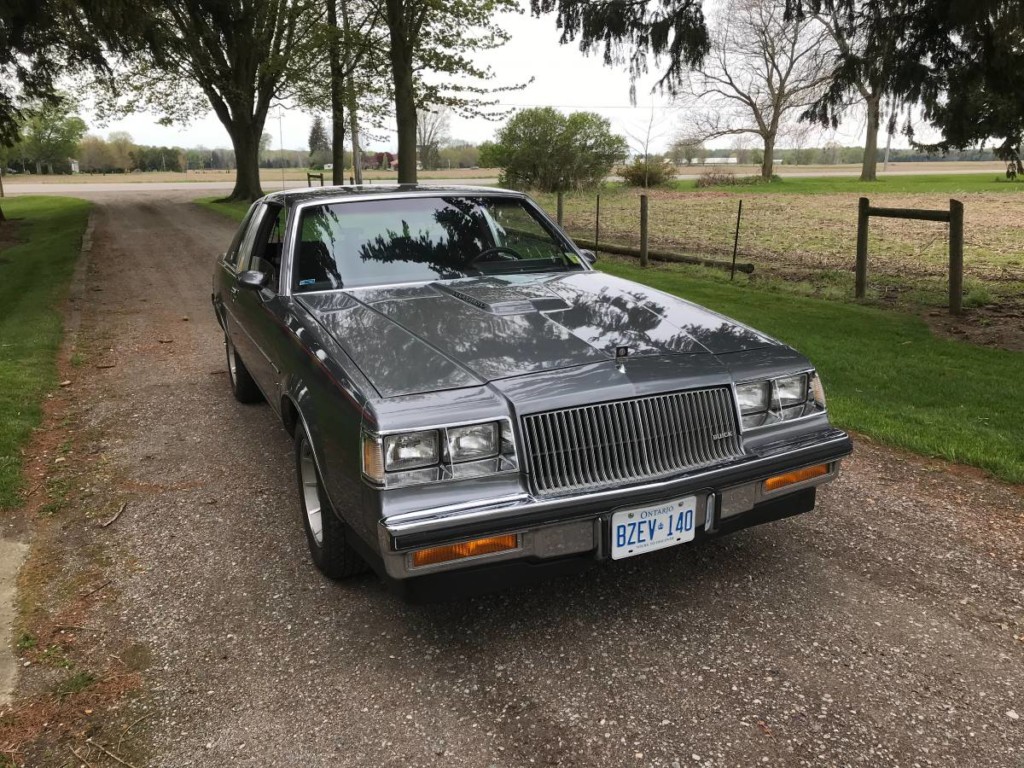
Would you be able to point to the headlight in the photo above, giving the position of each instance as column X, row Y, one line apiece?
column 458, row 452
column 792, row 390
column 477, row 441
column 753, row 398
column 411, row 450
column 763, row 403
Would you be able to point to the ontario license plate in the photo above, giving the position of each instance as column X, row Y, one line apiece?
column 647, row 529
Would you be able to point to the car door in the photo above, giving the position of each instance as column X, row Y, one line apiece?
column 257, row 310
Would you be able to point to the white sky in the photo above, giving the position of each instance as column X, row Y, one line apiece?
column 563, row 78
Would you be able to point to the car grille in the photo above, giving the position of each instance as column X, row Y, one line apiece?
column 631, row 440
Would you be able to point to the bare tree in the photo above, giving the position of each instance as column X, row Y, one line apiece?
column 868, row 43
column 763, row 69
column 432, row 131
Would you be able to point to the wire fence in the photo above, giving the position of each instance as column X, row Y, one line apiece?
column 812, row 237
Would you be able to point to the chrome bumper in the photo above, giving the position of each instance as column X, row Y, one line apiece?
column 550, row 527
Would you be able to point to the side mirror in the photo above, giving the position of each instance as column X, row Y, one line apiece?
column 252, row 279
column 589, row 256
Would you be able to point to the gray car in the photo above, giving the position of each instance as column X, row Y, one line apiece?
column 474, row 405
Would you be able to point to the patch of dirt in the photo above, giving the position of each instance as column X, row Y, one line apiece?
column 10, row 236
column 1001, row 327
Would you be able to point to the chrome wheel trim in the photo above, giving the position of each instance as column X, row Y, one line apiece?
column 232, row 362
column 311, row 492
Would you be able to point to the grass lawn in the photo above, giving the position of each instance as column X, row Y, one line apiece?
column 886, row 375
column 235, row 211
column 34, row 274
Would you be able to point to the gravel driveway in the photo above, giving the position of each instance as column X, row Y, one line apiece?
column 885, row 628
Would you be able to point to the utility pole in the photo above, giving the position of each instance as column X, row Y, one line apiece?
column 280, row 139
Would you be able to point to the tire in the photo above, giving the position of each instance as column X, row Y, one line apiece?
column 242, row 385
column 326, row 534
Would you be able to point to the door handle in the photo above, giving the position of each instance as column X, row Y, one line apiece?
column 234, row 291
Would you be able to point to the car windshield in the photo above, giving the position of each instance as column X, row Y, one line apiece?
column 412, row 239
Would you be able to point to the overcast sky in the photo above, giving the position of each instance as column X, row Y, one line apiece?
column 563, row 78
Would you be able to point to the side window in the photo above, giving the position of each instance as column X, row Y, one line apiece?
column 267, row 248
column 242, row 258
column 231, row 255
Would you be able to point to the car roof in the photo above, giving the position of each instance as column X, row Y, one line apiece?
column 290, row 197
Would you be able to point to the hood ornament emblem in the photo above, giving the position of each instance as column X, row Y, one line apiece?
column 621, row 353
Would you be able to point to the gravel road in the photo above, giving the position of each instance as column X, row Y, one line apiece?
column 886, row 628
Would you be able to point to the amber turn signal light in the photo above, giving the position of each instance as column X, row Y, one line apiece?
column 792, row 478
column 474, row 548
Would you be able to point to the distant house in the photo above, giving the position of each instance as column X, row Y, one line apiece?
column 379, row 161
column 721, row 161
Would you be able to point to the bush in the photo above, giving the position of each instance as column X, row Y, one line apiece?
column 545, row 150
column 646, row 173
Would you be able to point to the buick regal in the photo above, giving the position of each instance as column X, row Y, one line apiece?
column 473, row 404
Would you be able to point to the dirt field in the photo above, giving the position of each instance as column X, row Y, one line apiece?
column 884, row 629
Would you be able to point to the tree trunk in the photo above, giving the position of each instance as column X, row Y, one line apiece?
column 245, row 138
column 768, row 161
column 869, row 167
column 337, row 97
column 400, row 54
column 350, row 98
column 357, row 160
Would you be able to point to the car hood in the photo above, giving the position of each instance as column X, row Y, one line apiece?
column 458, row 333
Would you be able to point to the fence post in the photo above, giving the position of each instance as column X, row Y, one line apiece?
column 862, row 248
column 597, row 225
column 561, row 207
column 956, row 257
column 643, row 231
column 736, row 240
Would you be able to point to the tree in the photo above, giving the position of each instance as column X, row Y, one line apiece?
column 39, row 41
column 460, row 154
column 635, row 32
column 234, row 56
column 685, row 149
column 319, row 144
column 52, row 133
column 122, row 148
column 432, row 126
column 960, row 62
column 428, row 36
column 543, row 149
column 868, row 40
column 762, row 69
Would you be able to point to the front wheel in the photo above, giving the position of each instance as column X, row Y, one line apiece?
column 326, row 535
column 243, row 387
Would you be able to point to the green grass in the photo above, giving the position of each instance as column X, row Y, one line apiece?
column 920, row 184
column 74, row 684
column 34, row 276
column 233, row 210
column 886, row 375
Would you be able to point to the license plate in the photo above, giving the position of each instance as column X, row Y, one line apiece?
column 647, row 529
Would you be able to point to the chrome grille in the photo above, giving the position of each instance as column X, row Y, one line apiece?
column 630, row 440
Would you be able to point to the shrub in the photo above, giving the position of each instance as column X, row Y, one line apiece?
column 543, row 149
column 646, row 173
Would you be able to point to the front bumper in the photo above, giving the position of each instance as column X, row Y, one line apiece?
column 556, row 527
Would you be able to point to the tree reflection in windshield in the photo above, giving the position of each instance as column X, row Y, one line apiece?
column 414, row 239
